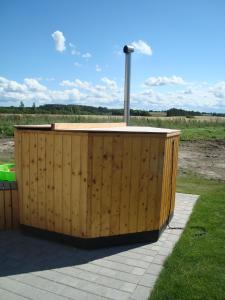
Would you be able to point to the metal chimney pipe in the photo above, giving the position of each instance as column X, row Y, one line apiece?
column 127, row 50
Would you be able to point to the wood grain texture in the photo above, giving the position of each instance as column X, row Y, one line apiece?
column 66, row 184
column 50, row 223
column 95, row 184
column 117, row 152
column 69, row 126
column 75, row 185
column 2, row 210
column 9, row 210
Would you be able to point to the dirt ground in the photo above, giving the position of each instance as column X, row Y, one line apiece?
column 206, row 158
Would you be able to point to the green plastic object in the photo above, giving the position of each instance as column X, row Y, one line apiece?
column 6, row 172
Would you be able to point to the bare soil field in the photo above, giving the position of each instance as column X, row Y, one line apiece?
column 206, row 158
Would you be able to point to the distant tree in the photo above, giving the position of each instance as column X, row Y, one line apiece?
column 33, row 107
column 21, row 104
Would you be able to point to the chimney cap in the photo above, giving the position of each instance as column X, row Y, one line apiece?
column 128, row 49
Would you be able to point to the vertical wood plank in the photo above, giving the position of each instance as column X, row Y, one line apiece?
column 58, row 160
column 161, row 164
column 50, row 182
column 75, row 185
column 106, row 186
column 89, row 184
column 164, row 184
column 15, row 208
column 116, row 184
column 174, row 173
column 134, row 192
column 153, row 187
column 83, row 184
column 34, row 180
column 25, row 179
column 66, row 194
column 143, row 184
column 41, row 180
column 8, row 209
column 2, row 210
column 168, row 177
column 96, row 185
column 126, row 180
column 18, row 160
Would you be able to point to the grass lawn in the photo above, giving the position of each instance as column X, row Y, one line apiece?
column 196, row 268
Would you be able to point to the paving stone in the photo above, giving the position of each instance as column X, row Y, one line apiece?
column 154, row 269
column 39, row 269
column 50, row 286
column 148, row 280
column 138, row 271
column 141, row 293
column 5, row 295
column 128, row 287
column 27, row 291
column 132, row 278
column 133, row 255
column 128, row 261
column 159, row 259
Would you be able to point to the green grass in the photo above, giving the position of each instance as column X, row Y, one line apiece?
column 191, row 129
column 196, row 268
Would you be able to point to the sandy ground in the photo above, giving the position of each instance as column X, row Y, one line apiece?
column 206, row 158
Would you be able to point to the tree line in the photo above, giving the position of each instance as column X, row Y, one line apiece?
column 73, row 109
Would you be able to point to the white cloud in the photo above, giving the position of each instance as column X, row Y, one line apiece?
column 59, row 39
column 142, row 47
column 77, row 64
column 86, row 55
column 164, row 80
column 98, row 68
column 34, row 85
column 108, row 93
column 109, row 83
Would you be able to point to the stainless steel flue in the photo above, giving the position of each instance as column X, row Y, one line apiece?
column 127, row 50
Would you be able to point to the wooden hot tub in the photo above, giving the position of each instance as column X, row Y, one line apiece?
column 103, row 185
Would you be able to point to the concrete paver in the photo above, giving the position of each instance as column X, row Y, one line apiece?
column 32, row 268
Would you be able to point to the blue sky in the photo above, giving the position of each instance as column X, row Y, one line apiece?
column 71, row 52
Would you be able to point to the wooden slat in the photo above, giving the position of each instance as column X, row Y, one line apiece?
column 161, row 164
column 18, row 160
column 68, row 126
column 164, row 197
column 25, row 219
column 125, row 187
column 8, row 209
column 106, row 186
column 34, row 221
column 15, row 208
column 58, row 183
column 75, row 185
column 117, row 151
column 50, row 183
column 83, row 184
column 134, row 192
column 96, row 185
column 41, row 181
column 89, row 184
column 153, row 188
column 174, row 174
column 143, row 184
column 2, row 210
column 66, row 194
